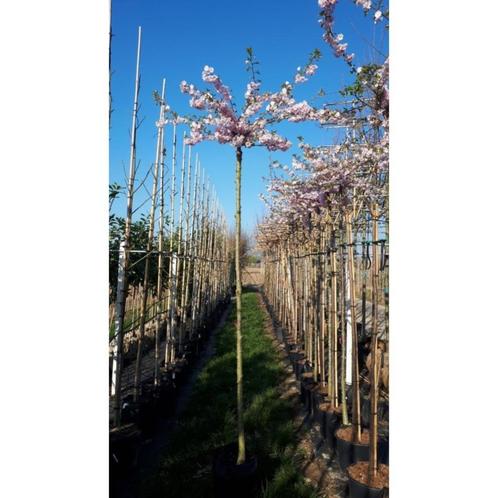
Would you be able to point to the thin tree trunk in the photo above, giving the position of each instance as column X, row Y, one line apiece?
column 333, row 387
column 345, row 419
column 354, row 334
column 240, row 421
column 374, row 393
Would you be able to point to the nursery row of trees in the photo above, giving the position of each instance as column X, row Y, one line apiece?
column 325, row 248
column 171, row 268
column 331, row 200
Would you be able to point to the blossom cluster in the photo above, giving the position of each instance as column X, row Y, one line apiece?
column 222, row 123
column 325, row 180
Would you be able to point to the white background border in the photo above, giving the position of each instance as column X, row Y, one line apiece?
column 53, row 209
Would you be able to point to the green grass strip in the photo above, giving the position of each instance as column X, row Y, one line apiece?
column 209, row 420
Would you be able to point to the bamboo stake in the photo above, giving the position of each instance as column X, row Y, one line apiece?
column 169, row 354
column 160, row 260
column 150, row 241
column 123, row 256
column 180, row 236
column 186, row 253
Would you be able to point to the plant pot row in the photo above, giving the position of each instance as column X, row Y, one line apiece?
column 352, row 457
column 139, row 417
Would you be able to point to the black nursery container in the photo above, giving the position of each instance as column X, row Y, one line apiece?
column 332, row 423
column 167, row 399
column 232, row 480
column 359, row 490
column 317, row 398
column 361, row 452
column 299, row 368
column 307, row 395
column 147, row 413
column 123, row 449
column 344, row 452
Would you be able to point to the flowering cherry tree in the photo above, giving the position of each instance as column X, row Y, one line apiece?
column 340, row 182
column 251, row 127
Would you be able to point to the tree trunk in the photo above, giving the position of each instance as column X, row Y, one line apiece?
column 354, row 334
column 372, row 465
column 342, row 299
column 240, row 421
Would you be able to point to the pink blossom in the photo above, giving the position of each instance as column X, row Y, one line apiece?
column 326, row 3
column 299, row 78
column 366, row 4
column 208, row 75
column 184, row 87
column 310, row 70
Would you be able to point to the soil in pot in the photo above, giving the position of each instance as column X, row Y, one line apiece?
column 344, row 446
column 232, row 480
column 359, row 485
column 361, row 451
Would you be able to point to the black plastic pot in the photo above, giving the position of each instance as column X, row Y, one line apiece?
column 308, row 396
column 359, row 490
column 382, row 410
column 179, row 373
column 299, row 368
column 147, row 412
column 232, row 480
column 318, row 399
column 303, row 381
column 361, row 452
column 167, row 399
column 332, row 423
column 344, row 452
column 321, row 419
column 123, row 449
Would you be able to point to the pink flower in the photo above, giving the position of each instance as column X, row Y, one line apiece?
column 310, row 70
column 366, row 4
column 208, row 75
column 184, row 87
column 326, row 3
column 377, row 16
column 299, row 78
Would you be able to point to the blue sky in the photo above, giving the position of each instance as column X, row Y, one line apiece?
column 180, row 37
